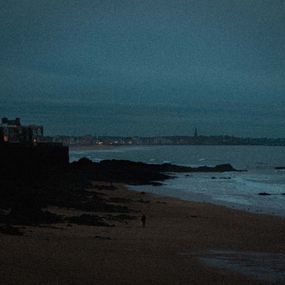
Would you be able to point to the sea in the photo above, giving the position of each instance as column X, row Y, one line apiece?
column 238, row 190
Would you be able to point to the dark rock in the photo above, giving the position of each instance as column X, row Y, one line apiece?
column 9, row 230
column 137, row 173
column 156, row 184
column 84, row 162
column 264, row 194
column 103, row 238
column 32, row 218
column 143, row 201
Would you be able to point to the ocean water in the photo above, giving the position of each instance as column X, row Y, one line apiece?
column 233, row 189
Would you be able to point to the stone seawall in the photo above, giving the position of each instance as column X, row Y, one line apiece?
column 16, row 157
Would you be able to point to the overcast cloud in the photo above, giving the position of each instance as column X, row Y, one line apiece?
column 144, row 67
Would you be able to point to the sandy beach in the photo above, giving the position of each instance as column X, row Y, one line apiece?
column 167, row 251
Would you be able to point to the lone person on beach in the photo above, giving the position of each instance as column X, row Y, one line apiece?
column 143, row 219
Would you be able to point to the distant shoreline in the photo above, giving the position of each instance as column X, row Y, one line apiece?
column 106, row 146
column 90, row 147
column 167, row 140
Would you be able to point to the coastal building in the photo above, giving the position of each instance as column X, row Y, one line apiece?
column 23, row 149
column 12, row 131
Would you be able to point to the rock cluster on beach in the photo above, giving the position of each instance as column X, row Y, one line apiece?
column 138, row 172
column 26, row 192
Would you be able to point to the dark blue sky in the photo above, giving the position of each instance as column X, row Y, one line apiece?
column 145, row 67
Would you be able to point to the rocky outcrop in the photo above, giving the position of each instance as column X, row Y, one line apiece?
column 138, row 172
column 31, row 185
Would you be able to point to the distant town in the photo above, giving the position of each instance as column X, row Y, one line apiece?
column 90, row 140
column 14, row 132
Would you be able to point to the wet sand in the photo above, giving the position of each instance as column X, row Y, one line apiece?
column 166, row 251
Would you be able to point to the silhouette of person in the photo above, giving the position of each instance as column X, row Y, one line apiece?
column 143, row 219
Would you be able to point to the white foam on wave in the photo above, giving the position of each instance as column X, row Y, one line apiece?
column 240, row 191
